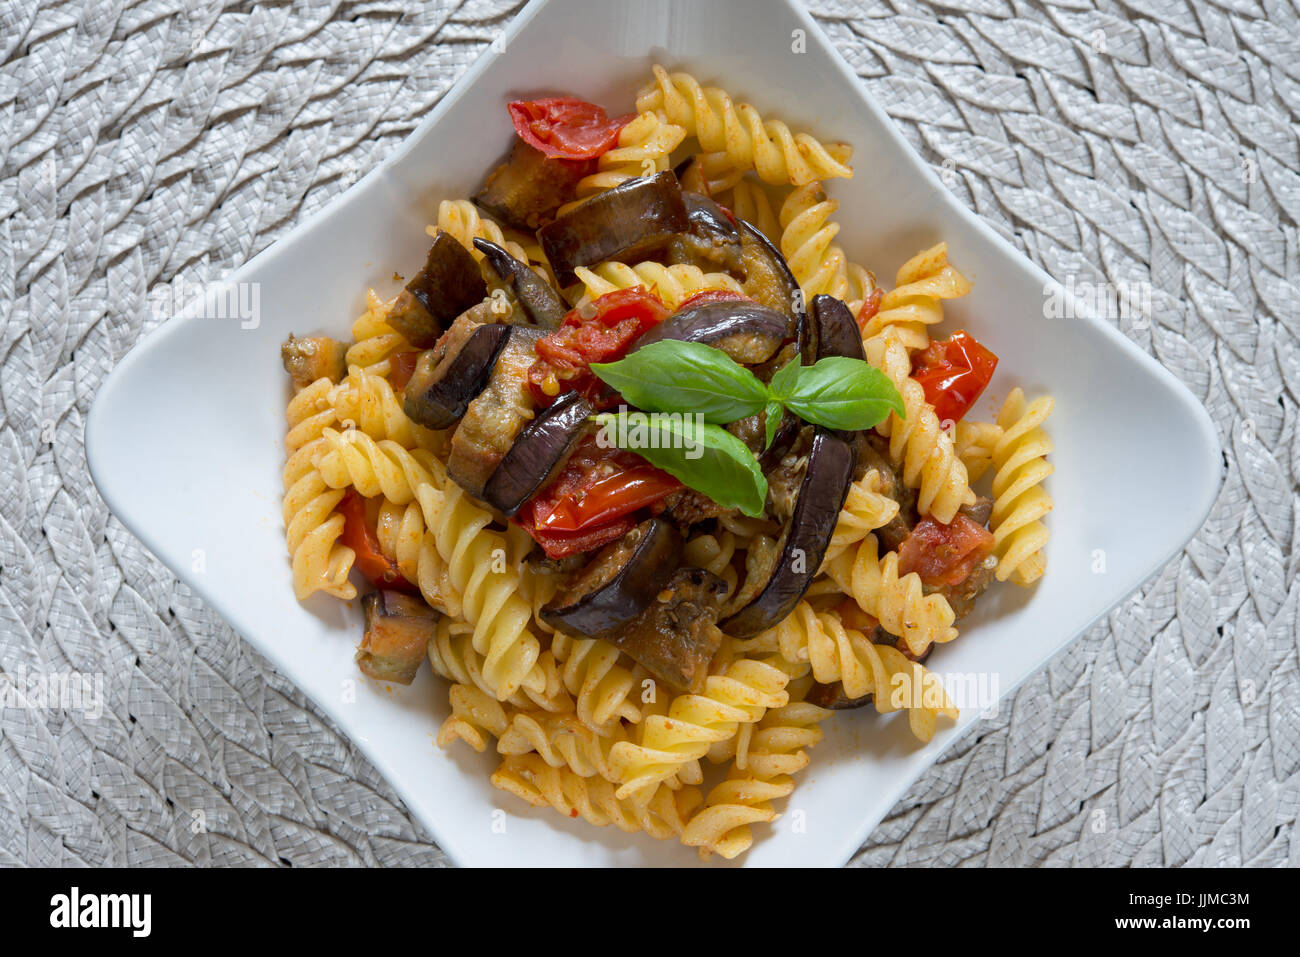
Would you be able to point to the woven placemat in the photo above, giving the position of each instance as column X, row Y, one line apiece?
column 1149, row 141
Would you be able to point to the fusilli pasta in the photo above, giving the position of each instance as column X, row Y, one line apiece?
column 916, row 301
column 1019, row 500
column 673, row 284
column 767, row 147
column 918, row 442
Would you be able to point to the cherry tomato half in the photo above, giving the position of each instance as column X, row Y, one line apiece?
column 593, row 500
column 359, row 535
column 403, row 365
column 944, row 554
column 565, row 127
column 607, row 330
column 954, row 373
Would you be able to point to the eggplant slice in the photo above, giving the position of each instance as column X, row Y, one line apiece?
column 619, row 583
column 833, row 331
column 496, row 416
column 676, row 636
column 526, row 190
column 449, row 283
column 538, row 454
column 540, row 303
column 822, row 492
column 748, row 332
column 768, row 278
column 713, row 240
column 399, row 628
column 628, row 222
column 452, row 374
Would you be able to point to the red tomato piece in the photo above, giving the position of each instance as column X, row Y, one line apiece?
column 944, row 554
column 565, row 127
column 611, row 324
column 359, row 535
column 403, row 366
column 954, row 373
column 870, row 306
column 593, row 500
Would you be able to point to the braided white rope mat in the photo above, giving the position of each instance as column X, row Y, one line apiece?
column 1146, row 140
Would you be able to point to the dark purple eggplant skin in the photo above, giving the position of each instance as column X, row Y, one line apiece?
column 539, row 302
column 709, row 220
column 539, row 451
column 628, row 222
column 822, row 493
column 619, row 583
column 785, row 296
column 439, row 393
column 832, row 696
column 676, row 636
column 714, row 322
column 399, row 628
column 449, row 283
column 833, row 331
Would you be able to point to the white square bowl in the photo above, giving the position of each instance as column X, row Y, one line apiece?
column 185, row 439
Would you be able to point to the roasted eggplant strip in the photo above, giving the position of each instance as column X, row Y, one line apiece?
column 748, row 332
column 832, row 331
column 538, row 454
column 308, row 358
column 399, row 628
column 452, row 374
column 676, row 635
column 619, row 583
column 713, row 241
column 822, row 491
column 526, row 190
column 768, row 278
column 628, row 222
column 496, row 416
column 449, row 283
column 540, row 304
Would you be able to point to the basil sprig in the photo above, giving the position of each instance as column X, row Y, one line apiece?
column 700, row 454
column 692, row 390
column 671, row 376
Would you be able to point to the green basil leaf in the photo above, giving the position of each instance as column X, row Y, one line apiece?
column 702, row 455
column 783, row 383
column 775, row 411
column 673, row 376
column 843, row 393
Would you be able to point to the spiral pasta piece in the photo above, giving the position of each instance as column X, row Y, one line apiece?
column 461, row 219
column 319, row 561
column 749, row 201
column 374, row 340
column 374, row 468
column 918, row 442
column 488, row 582
column 695, row 721
column 776, row 751
column 807, row 241
column 738, row 131
column 867, row 507
column 1019, row 500
column 602, row 687
column 916, row 301
column 644, row 148
column 366, row 401
column 562, row 741
column 529, row 777
column 897, row 602
column 974, row 443
column 673, row 284
column 476, row 717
